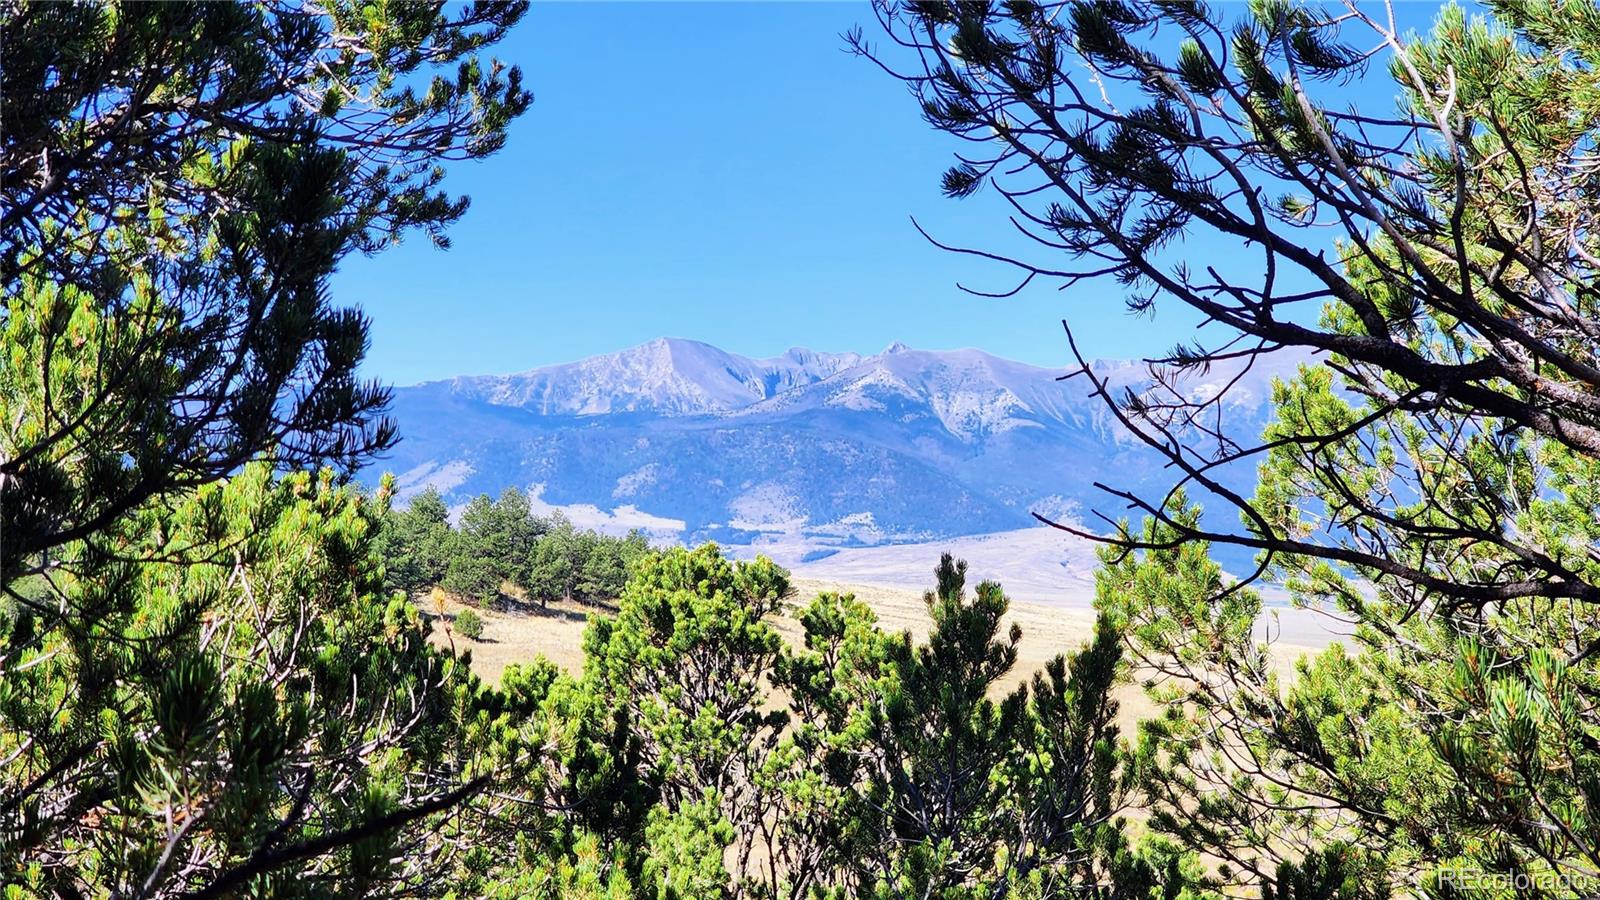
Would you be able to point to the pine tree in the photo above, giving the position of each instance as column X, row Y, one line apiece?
column 510, row 533
column 607, row 563
column 468, row 624
column 1430, row 477
column 478, row 562
column 179, row 180
column 208, row 731
column 555, row 566
column 940, row 741
column 911, row 780
column 415, row 543
column 687, row 661
column 203, row 687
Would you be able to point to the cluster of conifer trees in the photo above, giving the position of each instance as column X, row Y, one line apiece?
column 699, row 754
column 501, row 541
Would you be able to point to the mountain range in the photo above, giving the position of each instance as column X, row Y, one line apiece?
column 809, row 452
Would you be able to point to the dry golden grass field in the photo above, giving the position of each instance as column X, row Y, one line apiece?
column 522, row 633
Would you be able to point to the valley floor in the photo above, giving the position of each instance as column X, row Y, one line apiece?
column 522, row 633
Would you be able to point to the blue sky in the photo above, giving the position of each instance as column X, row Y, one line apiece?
column 718, row 171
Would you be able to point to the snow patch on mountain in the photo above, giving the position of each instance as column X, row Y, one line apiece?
column 442, row 478
column 635, row 481
column 618, row 520
column 768, row 506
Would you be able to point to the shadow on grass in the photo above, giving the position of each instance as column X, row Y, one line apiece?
column 574, row 612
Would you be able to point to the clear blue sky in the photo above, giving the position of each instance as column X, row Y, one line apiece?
column 718, row 171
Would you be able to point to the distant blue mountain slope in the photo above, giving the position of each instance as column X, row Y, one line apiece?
column 695, row 443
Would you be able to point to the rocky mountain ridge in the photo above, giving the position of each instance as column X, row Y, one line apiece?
column 809, row 449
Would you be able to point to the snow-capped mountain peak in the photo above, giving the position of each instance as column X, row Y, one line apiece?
column 666, row 376
column 827, row 448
